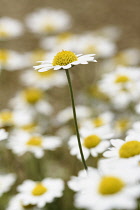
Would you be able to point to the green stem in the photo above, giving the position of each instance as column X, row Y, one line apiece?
column 75, row 118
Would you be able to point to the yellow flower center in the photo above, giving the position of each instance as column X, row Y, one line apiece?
column 97, row 122
column 3, row 33
column 4, row 55
column 110, row 185
column 45, row 74
column 48, row 28
column 35, row 141
column 39, row 189
column 38, row 55
column 63, row 37
column 122, row 124
column 91, row 141
column 129, row 149
column 121, row 59
column 6, row 117
column 32, row 95
column 29, row 127
column 90, row 49
column 122, row 79
column 63, row 58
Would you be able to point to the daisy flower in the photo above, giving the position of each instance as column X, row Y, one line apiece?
column 48, row 21
column 130, row 148
column 104, row 191
column 21, row 142
column 11, row 60
column 43, row 80
column 33, row 100
column 10, row 28
column 40, row 193
column 93, row 142
column 64, row 60
column 6, row 181
column 3, row 134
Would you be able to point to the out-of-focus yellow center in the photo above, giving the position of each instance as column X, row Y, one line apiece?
column 29, row 127
column 35, row 141
column 38, row 55
column 39, row 189
column 91, row 141
column 6, row 117
column 98, row 121
column 49, row 28
column 122, row 125
column 90, row 49
column 4, row 55
column 122, row 79
column 63, row 37
column 129, row 149
column 63, row 58
column 121, row 59
column 45, row 74
column 3, row 33
column 32, row 95
column 110, row 185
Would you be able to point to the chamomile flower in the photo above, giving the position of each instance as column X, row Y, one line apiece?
column 106, row 190
column 33, row 100
column 93, row 142
column 64, row 60
column 21, row 142
column 48, row 21
column 43, row 80
column 11, row 60
column 40, row 193
column 6, row 182
column 3, row 134
column 128, row 149
column 10, row 28
column 121, row 86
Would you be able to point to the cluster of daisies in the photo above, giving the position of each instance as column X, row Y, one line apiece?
column 37, row 138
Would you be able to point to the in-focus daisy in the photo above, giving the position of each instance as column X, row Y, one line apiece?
column 21, row 142
column 6, row 181
column 10, row 28
column 130, row 148
column 106, row 190
column 93, row 142
column 48, row 21
column 33, row 100
column 3, row 134
column 11, row 60
column 43, row 80
column 122, row 86
column 64, row 60
column 40, row 193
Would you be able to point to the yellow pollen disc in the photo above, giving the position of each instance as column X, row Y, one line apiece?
column 91, row 49
column 63, row 37
column 6, row 117
column 32, row 95
column 63, row 58
column 97, row 122
column 91, row 141
column 130, row 149
column 122, row 124
column 3, row 33
column 34, row 141
column 122, row 79
column 4, row 55
column 48, row 28
column 121, row 59
column 38, row 55
column 110, row 185
column 39, row 189
column 29, row 127
column 45, row 74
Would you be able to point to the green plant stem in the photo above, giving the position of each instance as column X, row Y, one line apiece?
column 75, row 119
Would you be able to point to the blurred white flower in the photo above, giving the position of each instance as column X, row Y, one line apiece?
column 21, row 142
column 40, row 193
column 121, row 86
column 93, row 142
column 3, row 134
column 10, row 28
column 64, row 60
column 106, row 190
column 6, row 181
column 11, row 60
column 48, row 21
column 43, row 80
